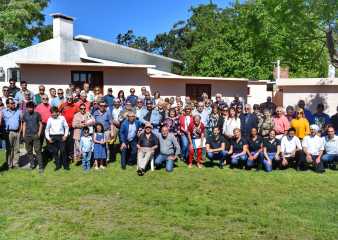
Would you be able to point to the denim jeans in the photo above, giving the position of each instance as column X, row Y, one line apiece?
column 169, row 164
column 239, row 160
column 265, row 163
column 184, row 146
column 258, row 160
column 129, row 154
column 218, row 156
column 329, row 158
column 86, row 156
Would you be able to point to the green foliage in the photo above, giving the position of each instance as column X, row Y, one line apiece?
column 131, row 40
column 22, row 22
column 243, row 40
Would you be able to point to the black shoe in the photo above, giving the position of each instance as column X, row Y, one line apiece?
column 67, row 169
column 139, row 172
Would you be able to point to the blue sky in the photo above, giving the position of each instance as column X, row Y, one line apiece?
column 106, row 18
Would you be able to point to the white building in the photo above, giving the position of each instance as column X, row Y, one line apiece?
column 66, row 59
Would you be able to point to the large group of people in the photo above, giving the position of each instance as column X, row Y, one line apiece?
column 78, row 125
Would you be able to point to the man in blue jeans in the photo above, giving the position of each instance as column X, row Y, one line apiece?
column 330, row 157
column 169, row 150
column 217, row 147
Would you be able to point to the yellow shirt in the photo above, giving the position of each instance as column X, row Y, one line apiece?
column 302, row 127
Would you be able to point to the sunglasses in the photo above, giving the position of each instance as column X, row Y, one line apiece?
column 44, row 98
column 82, row 108
column 41, row 89
column 60, row 93
column 5, row 90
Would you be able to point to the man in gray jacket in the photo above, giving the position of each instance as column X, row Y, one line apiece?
column 169, row 149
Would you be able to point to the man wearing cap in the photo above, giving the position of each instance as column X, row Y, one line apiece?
column 132, row 98
column 146, row 145
column 128, row 138
column 83, row 100
column 152, row 115
column 313, row 149
column 109, row 98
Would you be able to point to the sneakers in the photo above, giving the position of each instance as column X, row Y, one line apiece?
column 96, row 168
column 102, row 167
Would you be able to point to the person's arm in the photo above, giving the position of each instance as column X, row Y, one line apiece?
column 176, row 145
column 266, row 154
column 207, row 148
column 23, row 129
column 231, row 150
column 48, row 126
column 307, row 128
column 76, row 122
column 66, row 128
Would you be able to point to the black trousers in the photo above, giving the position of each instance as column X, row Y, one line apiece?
column 33, row 142
column 304, row 164
column 70, row 145
column 57, row 148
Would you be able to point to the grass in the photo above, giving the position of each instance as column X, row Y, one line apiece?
column 194, row 204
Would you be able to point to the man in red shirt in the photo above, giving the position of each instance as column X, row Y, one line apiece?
column 68, row 110
column 44, row 110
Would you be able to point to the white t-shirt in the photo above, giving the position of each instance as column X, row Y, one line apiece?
column 288, row 146
column 229, row 125
column 331, row 145
column 313, row 144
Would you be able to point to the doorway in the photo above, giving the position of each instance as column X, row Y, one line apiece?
column 195, row 91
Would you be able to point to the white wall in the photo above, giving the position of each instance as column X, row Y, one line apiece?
column 312, row 95
column 258, row 92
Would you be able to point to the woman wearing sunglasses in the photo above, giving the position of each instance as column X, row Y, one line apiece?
column 300, row 124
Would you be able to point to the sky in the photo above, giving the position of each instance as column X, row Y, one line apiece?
column 105, row 19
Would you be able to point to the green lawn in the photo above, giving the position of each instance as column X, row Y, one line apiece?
column 194, row 204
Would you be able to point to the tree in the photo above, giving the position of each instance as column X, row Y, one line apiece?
column 22, row 22
column 129, row 39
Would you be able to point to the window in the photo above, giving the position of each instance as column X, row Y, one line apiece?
column 13, row 73
column 195, row 91
column 2, row 74
column 94, row 78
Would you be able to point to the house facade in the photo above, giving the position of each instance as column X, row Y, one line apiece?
column 66, row 59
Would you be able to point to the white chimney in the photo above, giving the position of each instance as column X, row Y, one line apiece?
column 63, row 26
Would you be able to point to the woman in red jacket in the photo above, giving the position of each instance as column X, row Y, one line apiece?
column 196, row 137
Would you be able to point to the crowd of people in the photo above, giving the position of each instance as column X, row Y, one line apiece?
column 83, row 126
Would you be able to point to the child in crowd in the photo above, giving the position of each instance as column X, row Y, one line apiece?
column 100, row 154
column 86, row 146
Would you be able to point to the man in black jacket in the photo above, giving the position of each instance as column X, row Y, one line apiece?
column 248, row 121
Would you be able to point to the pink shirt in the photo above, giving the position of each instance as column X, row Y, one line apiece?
column 281, row 124
column 44, row 112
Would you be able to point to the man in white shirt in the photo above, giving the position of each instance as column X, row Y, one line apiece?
column 330, row 143
column 202, row 112
column 313, row 149
column 56, row 133
column 291, row 148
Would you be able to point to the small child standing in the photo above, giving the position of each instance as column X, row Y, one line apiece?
column 100, row 152
column 86, row 146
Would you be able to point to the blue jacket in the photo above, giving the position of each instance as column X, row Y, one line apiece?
column 248, row 121
column 124, row 130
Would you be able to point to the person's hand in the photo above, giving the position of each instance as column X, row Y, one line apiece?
column 191, row 146
column 50, row 140
column 308, row 157
column 276, row 156
column 251, row 158
column 270, row 162
column 317, row 160
column 123, row 146
column 64, row 138
column 172, row 157
column 284, row 162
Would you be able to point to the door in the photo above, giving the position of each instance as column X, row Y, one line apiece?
column 195, row 91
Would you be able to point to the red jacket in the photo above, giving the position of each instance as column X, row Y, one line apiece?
column 183, row 126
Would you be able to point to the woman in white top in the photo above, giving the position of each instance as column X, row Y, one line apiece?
column 231, row 123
